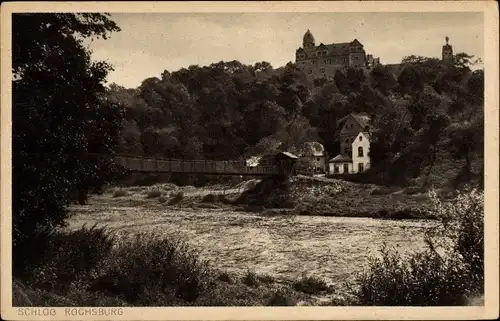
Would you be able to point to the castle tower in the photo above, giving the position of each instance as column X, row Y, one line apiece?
column 447, row 55
column 308, row 40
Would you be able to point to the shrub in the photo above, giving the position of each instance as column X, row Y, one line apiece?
column 310, row 285
column 209, row 198
column 151, row 262
column 154, row 193
column 448, row 272
column 120, row 192
column 71, row 256
column 176, row 198
column 281, row 298
column 251, row 279
column 225, row 277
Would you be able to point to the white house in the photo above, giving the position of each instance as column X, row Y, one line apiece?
column 360, row 152
column 355, row 146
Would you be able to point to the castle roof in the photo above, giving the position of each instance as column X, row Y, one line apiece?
column 337, row 49
column 308, row 37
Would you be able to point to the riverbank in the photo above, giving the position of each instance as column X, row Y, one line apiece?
column 300, row 195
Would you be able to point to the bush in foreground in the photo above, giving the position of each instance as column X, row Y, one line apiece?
column 91, row 267
column 449, row 272
column 311, row 285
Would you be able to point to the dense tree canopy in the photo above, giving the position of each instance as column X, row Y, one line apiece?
column 229, row 110
column 61, row 115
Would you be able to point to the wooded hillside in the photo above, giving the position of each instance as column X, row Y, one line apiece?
column 229, row 110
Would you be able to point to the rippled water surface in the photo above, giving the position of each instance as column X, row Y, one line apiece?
column 334, row 248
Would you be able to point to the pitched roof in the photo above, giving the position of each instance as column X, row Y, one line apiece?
column 336, row 49
column 340, row 159
column 362, row 119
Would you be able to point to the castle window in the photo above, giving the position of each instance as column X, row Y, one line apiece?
column 360, row 151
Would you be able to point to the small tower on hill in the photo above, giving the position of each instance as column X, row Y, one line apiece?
column 447, row 55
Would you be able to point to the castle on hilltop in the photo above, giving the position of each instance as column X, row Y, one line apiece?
column 323, row 61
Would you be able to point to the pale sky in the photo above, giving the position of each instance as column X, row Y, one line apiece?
column 150, row 43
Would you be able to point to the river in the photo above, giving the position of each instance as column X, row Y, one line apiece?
column 285, row 247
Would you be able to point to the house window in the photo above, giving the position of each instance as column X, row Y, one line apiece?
column 346, row 168
column 310, row 71
column 360, row 167
column 317, row 159
column 360, row 151
column 336, row 168
column 360, row 138
column 322, row 70
column 346, row 150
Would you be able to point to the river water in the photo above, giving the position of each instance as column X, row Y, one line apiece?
column 285, row 247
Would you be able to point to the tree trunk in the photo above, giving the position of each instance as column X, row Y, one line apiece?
column 467, row 165
column 433, row 161
column 82, row 196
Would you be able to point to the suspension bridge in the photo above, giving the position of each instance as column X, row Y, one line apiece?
column 278, row 164
column 141, row 164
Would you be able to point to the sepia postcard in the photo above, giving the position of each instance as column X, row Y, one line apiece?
column 277, row 160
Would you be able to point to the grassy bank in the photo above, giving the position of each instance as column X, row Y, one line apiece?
column 91, row 267
column 299, row 195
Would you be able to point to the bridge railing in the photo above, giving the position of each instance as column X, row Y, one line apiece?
column 145, row 164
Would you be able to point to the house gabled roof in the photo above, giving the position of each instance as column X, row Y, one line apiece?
column 362, row 119
column 365, row 133
column 340, row 159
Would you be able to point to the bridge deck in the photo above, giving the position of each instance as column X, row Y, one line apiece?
column 155, row 165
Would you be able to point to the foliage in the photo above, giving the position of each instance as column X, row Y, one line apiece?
column 154, row 193
column 92, row 267
column 70, row 256
column 251, row 279
column 60, row 116
column 120, row 192
column 147, row 261
column 449, row 272
column 310, row 285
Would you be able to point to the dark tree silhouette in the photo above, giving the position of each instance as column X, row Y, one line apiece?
column 60, row 114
